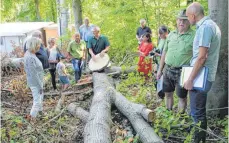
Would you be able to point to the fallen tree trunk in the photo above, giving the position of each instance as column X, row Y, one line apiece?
column 135, row 112
column 66, row 93
column 97, row 129
column 62, row 99
column 78, row 112
column 114, row 70
column 98, row 126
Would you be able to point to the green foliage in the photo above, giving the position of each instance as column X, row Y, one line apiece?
column 135, row 88
column 169, row 123
column 118, row 19
column 24, row 10
column 220, row 123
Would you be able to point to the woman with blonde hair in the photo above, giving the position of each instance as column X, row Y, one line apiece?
column 34, row 74
column 53, row 52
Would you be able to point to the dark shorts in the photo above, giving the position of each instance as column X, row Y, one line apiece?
column 64, row 79
column 171, row 78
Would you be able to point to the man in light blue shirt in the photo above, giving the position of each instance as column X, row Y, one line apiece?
column 86, row 30
column 85, row 33
column 206, row 46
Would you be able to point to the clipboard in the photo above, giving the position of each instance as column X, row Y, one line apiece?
column 200, row 80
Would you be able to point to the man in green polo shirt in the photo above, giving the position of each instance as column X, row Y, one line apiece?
column 177, row 52
column 77, row 52
column 98, row 44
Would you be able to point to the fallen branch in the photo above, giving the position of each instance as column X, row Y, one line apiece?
column 66, row 93
column 135, row 112
column 62, row 111
column 118, row 70
column 217, row 109
column 184, row 138
column 9, row 104
column 78, row 112
column 60, row 102
column 222, row 139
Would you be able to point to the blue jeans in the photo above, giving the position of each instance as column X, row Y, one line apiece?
column 198, row 101
column 76, row 65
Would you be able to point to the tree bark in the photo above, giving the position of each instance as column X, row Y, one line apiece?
column 78, row 112
column 37, row 10
column 114, row 70
column 97, row 129
column 135, row 112
column 63, row 17
column 218, row 95
column 77, row 12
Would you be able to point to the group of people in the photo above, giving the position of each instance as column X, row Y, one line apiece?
column 183, row 47
column 177, row 48
column 87, row 43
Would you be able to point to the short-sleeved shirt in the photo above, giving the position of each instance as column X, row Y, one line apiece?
column 99, row 44
column 60, row 67
column 76, row 49
column 208, row 35
column 160, row 47
column 178, row 48
column 86, row 32
column 141, row 31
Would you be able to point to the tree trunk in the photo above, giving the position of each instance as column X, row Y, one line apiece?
column 78, row 112
column 135, row 112
column 37, row 10
column 63, row 17
column 218, row 95
column 77, row 12
column 114, row 70
column 97, row 129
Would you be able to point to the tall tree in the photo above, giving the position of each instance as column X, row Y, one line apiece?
column 38, row 17
column 63, row 15
column 218, row 96
column 77, row 12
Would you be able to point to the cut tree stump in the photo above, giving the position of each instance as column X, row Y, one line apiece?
column 97, row 129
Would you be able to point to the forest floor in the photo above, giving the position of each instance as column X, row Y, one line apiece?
column 53, row 126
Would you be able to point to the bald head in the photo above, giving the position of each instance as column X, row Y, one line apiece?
column 196, row 9
column 195, row 12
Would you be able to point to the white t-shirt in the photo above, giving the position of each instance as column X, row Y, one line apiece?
column 60, row 67
column 53, row 54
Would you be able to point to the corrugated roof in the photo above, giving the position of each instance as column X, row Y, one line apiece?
column 21, row 28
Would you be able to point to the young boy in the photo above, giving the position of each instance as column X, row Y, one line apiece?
column 63, row 76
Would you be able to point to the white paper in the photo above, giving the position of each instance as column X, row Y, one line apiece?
column 199, row 80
